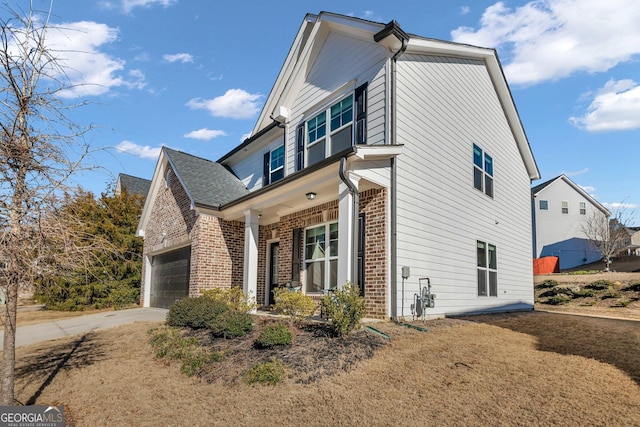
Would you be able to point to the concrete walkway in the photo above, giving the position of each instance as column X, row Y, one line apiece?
column 32, row 334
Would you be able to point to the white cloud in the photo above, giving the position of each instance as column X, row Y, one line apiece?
column 464, row 10
column 178, row 57
column 588, row 188
column 89, row 71
column 128, row 5
column 620, row 206
column 576, row 173
column 245, row 136
column 205, row 134
column 551, row 39
column 614, row 107
column 142, row 151
column 235, row 103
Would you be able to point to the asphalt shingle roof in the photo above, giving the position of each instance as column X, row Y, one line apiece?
column 134, row 184
column 208, row 183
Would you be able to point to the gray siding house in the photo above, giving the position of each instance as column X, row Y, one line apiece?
column 375, row 150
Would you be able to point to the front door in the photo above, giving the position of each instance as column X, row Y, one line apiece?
column 274, row 255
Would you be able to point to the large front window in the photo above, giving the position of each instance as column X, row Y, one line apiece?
column 322, row 144
column 321, row 257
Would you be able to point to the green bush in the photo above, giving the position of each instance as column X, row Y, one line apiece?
column 294, row 304
column 231, row 324
column 559, row 299
column 611, row 293
column 274, row 336
column 271, row 372
column 195, row 312
column 169, row 343
column 549, row 283
column 234, row 298
column 584, row 293
column 599, row 285
column 344, row 308
column 623, row 303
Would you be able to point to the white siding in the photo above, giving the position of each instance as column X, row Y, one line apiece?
column 340, row 60
column 248, row 167
column 559, row 234
column 444, row 106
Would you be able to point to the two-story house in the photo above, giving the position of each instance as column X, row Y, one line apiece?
column 560, row 208
column 375, row 150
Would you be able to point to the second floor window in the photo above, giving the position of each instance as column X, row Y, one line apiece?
column 583, row 208
column 565, row 207
column 482, row 171
column 273, row 165
column 544, row 205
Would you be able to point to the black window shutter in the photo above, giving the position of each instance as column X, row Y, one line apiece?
column 266, row 168
column 296, row 255
column 361, row 114
column 300, row 147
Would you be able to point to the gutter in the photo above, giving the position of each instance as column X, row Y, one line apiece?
column 356, row 210
column 394, row 187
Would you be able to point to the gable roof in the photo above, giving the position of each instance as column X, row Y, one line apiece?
column 207, row 183
column 309, row 36
column 538, row 188
column 133, row 184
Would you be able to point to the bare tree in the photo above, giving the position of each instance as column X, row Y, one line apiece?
column 608, row 235
column 40, row 148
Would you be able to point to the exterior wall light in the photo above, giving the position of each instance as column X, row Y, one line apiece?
column 311, row 196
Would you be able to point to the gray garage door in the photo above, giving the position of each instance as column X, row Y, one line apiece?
column 170, row 277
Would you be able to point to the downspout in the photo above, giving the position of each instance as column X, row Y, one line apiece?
column 356, row 210
column 393, row 204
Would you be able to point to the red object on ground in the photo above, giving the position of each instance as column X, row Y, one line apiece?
column 546, row 265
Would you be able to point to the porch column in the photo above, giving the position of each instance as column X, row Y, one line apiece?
column 250, row 273
column 346, row 231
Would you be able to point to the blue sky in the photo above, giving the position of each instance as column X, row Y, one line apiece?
column 193, row 75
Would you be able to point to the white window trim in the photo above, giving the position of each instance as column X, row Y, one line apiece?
column 328, row 132
column 484, row 173
column 488, row 269
column 284, row 162
column 327, row 259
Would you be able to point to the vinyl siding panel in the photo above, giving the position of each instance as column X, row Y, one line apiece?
column 444, row 106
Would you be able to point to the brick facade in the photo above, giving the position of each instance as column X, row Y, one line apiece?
column 217, row 246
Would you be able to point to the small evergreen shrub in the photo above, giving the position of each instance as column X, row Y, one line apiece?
column 549, row 283
column 559, row 299
column 623, row 303
column 344, row 308
column 234, row 298
column 231, row 324
column 599, row 285
column 584, row 293
column 170, row 344
column 274, row 336
column 195, row 313
column 294, row 304
column 611, row 293
column 270, row 373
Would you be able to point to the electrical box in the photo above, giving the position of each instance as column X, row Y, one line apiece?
column 405, row 272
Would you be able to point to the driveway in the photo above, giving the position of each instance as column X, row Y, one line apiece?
column 32, row 334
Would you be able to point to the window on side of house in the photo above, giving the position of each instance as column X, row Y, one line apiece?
column 583, row 208
column 565, row 207
column 321, row 257
column 544, row 205
column 482, row 171
column 487, row 261
column 273, row 169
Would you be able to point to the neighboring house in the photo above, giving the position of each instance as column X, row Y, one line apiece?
column 132, row 185
column 633, row 243
column 560, row 208
column 375, row 150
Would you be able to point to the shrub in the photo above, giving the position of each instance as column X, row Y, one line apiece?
column 633, row 288
column 274, row 336
column 231, row 324
column 344, row 308
column 294, row 304
column 271, row 373
column 584, row 293
column 582, row 272
column 169, row 343
column 623, row 303
column 195, row 312
column 549, row 283
column 559, row 299
column 599, row 285
column 611, row 294
column 234, row 298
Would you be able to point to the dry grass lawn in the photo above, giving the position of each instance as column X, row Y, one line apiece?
column 533, row 369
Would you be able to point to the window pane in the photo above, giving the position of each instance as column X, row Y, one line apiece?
column 488, row 164
column 314, row 276
column 477, row 178
column 493, row 284
column 544, row 205
column 314, row 243
column 333, row 273
column 277, row 158
column 316, row 127
column 333, row 240
column 341, row 140
column 583, row 208
column 565, row 207
column 316, row 152
column 493, row 261
column 482, row 283
column 488, row 185
column 341, row 113
column 277, row 175
column 482, row 255
column 477, row 156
